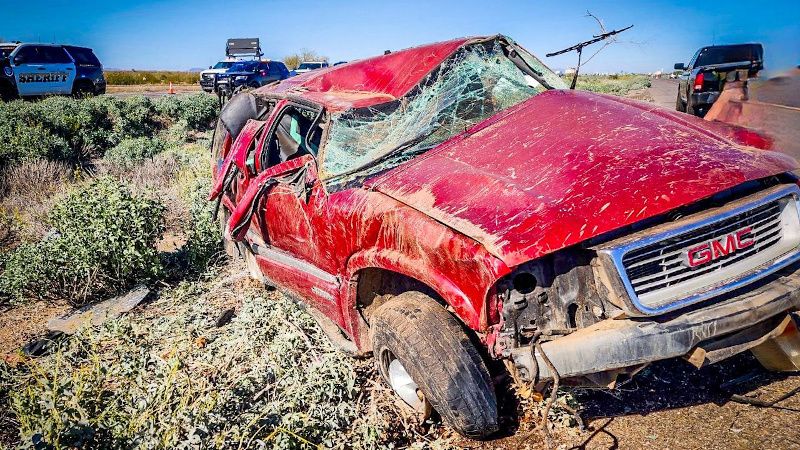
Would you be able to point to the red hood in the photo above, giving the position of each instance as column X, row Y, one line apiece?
column 566, row 166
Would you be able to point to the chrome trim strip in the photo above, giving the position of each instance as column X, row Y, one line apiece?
column 268, row 252
column 617, row 254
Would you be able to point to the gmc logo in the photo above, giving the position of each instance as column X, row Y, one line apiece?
column 712, row 250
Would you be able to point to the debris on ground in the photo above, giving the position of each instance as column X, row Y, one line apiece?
column 97, row 313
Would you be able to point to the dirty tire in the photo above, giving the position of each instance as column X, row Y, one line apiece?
column 679, row 105
column 690, row 107
column 82, row 90
column 440, row 358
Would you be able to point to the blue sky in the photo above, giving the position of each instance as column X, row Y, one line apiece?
column 185, row 34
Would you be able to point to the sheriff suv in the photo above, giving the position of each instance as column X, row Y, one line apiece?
column 208, row 77
column 453, row 202
column 251, row 74
column 49, row 69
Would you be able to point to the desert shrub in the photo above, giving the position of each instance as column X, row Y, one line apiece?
column 23, row 138
column 270, row 379
column 197, row 111
column 177, row 134
column 33, row 179
column 62, row 128
column 8, row 234
column 613, row 84
column 204, row 240
column 26, row 196
column 132, row 116
column 103, row 241
column 132, row 150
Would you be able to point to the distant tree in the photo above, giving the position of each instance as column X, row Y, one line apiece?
column 294, row 60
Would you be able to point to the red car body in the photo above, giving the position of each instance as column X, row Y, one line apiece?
column 557, row 170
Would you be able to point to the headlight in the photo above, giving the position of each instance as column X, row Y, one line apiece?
column 241, row 78
column 8, row 71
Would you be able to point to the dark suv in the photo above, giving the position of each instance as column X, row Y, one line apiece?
column 702, row 79
column 252, row 74
column 49, row 69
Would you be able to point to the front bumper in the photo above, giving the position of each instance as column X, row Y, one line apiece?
column 734, row 323
column 207, row 84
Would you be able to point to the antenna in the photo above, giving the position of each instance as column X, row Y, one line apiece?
column 579, row 48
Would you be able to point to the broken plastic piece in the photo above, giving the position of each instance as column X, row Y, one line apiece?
column 98, row 313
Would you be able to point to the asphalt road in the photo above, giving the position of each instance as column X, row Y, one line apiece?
column 663, row 91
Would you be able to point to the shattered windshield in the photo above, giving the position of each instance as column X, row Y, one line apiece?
column 472, row 85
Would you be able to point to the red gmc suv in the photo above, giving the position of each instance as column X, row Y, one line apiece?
column 453, row 202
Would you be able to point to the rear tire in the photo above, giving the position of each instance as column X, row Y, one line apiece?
column 82, row 90
column 690, row 109
column 432, row 348
column 679, row 105
column 7, row 92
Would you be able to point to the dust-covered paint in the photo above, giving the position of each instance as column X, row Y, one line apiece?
column 552, row 171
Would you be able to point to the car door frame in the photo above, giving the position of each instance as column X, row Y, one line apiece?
column 25, row 73
column 66, row 69
column 249, row 222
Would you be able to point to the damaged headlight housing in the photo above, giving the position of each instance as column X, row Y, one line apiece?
column 550, row 296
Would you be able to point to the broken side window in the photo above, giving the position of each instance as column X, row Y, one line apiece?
column 472, row 85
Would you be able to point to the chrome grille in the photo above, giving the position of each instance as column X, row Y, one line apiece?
column 660, row 265
column 653, row 266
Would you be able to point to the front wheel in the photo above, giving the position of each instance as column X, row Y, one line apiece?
column 424, row 354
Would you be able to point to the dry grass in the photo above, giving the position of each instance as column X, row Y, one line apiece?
column 133, row 77
column 27, row 192
column 157, row 175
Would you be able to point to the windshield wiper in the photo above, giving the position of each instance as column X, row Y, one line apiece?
column 513, row 51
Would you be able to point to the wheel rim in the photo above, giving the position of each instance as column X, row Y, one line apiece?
column 403, row 385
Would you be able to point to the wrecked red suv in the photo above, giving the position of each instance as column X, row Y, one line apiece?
column 453, row 202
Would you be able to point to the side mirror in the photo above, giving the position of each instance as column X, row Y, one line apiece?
column 680, row 66
column 18, row 60
column 210, row 67
column 298, row 173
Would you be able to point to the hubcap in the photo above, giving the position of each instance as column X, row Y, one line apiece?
column 403, row 385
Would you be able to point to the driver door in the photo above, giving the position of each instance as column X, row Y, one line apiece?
column 42, row 70
column 286, row 204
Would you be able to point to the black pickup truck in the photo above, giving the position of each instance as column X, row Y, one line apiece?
column 702, row 79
